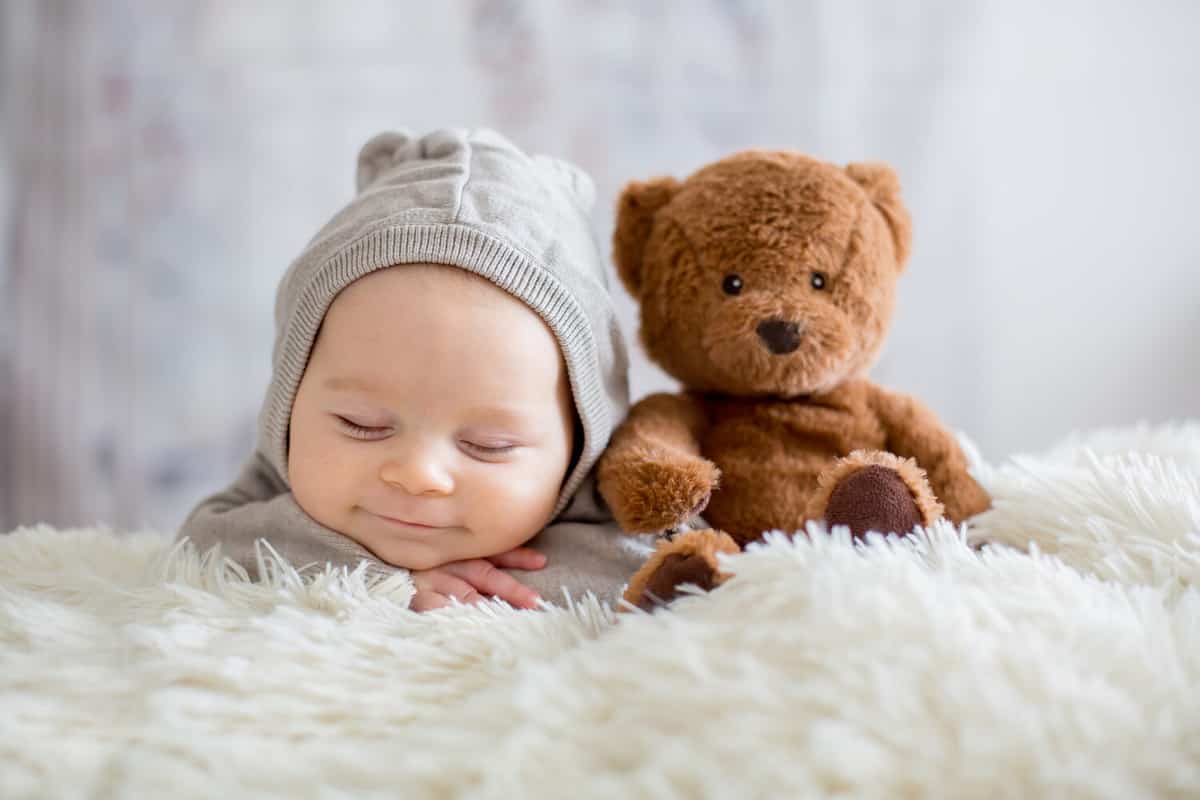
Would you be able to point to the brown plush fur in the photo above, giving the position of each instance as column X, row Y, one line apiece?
column 766, row 283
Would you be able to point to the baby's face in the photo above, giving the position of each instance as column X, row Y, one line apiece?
column 434, row 420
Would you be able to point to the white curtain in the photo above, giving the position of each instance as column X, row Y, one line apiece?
column 162, row 162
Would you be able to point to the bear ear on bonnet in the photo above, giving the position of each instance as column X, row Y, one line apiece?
column 639, row 202
column 882, row 186
column 379, row 153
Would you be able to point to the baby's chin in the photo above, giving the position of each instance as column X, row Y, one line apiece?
column 412, row 555
column 422, row 555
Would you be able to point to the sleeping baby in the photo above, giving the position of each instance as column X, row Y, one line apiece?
column 447, row 369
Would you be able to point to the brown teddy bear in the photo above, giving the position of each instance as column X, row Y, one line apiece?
column 766, row 283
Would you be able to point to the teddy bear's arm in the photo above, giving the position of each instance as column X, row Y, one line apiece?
column 675, row 421
column 914, row 431
column 652, row 475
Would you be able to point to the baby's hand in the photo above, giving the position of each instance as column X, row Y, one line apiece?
column 473, row 579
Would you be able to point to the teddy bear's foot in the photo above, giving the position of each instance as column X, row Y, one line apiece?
column 873, row 499
column 689, row 557
column 877, row 491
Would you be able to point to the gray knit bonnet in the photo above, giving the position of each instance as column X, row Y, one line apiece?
column 471, row 199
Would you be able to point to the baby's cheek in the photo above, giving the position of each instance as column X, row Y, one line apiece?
column 516, row 506
column 320, row 483
column 318, row 499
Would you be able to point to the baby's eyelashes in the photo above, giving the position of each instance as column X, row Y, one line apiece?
column 487, row 451
column 362, row 431
column 482, row 447
column 487, row 447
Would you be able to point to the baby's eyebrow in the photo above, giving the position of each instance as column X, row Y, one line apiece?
column 343, row 384
column 500, row 415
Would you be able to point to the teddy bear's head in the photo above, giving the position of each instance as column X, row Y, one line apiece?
column 764, row 273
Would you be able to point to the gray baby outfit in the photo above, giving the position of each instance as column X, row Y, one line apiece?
column 469, row 199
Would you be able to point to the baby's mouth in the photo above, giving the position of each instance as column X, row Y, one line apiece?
column 405, row 523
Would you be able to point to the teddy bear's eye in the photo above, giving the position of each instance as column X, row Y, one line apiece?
column 732, row 284
column 818, row 280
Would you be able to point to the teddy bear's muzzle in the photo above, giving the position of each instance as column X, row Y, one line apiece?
column 781, row 336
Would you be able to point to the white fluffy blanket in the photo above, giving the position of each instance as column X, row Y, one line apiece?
column 911, row 668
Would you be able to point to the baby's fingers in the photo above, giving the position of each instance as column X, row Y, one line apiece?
column 485, row 577
column 519, row 558
column 428, row 601
column 436, row 587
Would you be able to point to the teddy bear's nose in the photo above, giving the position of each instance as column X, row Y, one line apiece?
column 780, row 335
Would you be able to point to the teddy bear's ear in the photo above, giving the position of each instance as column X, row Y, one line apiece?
column 638, row 204
column 880, row 183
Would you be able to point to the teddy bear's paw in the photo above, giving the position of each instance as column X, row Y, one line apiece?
column 656, row 496
column 875, row 498
column 675, row 571
column 690, row 558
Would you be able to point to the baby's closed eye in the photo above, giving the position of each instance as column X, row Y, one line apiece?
column 489, row 450
column 360, row 431
column 482, row 446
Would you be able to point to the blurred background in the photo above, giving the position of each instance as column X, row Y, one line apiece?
column 162, row 162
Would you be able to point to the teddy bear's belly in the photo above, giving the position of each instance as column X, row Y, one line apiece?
column 768, row 473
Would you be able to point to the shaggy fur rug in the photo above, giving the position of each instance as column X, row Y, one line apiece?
column 1061, row 663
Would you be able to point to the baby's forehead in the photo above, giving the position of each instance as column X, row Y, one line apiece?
column 378, row 386
column 426, row 282
column 418, row 317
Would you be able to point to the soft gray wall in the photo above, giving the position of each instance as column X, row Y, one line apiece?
column 160, row 163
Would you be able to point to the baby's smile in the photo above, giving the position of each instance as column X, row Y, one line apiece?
column 404, row 523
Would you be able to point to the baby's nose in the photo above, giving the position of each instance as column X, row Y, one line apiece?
column 417, row 476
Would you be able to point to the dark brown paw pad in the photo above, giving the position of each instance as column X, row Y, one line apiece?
column 673, row 572
column 874, row 498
